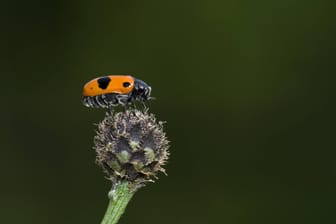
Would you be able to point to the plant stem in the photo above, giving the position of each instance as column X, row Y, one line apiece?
column 119, row 196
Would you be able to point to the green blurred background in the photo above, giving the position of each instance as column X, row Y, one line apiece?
column 246, row 88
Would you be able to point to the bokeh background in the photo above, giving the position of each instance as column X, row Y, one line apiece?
column 246, row 88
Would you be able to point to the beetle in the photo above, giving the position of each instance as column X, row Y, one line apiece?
column 114, row 90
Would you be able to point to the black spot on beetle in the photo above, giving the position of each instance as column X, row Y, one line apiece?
column 103, row 82
column 126, row 84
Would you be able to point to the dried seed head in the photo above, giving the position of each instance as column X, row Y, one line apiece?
column 131, row 146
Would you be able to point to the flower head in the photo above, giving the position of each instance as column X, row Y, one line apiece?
column 131, row 146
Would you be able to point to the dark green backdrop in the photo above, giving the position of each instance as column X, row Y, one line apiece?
column 246, row 88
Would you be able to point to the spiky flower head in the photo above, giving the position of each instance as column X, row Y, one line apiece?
column 131, row 146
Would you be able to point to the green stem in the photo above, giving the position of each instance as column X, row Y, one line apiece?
column 119, row 197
